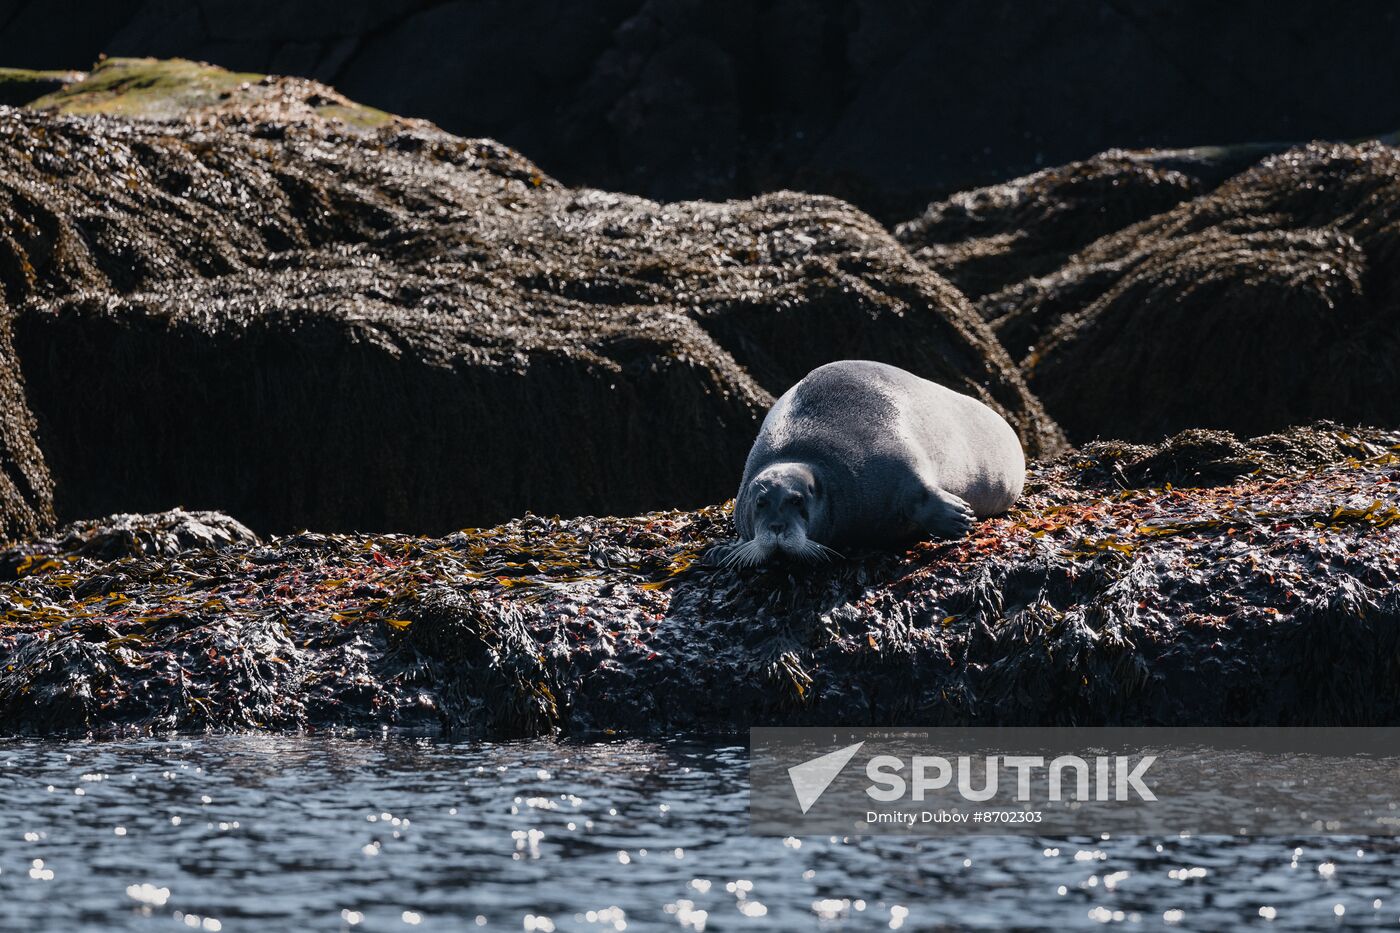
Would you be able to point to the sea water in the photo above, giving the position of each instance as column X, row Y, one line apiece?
column 281, row 833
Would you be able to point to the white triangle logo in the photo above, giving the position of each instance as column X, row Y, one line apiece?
column 811, row 778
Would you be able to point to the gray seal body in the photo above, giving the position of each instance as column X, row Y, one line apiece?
column 863, row 454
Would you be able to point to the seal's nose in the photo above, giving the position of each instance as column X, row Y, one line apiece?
column 778, row 527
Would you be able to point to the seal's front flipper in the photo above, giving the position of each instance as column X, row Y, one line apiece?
column 943, row 514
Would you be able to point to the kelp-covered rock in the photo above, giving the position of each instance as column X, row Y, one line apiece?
column 26, row 489
column 1199, row 457
column 988, row 238
column 1270, row 301
column 164, row 534
column 312, row 316
column 1264, row 596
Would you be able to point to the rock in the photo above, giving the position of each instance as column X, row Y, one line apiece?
column 279, row 305
column 1257, row 597
column 891, row 105
column 164, row 534
column 989, row 238
column 1262, row 303
column 1200, row 458
column 156, row 89
column 26, row 488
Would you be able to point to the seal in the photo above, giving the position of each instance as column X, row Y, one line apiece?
column 865, row 454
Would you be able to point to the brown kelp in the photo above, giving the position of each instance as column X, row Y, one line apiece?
column 989, row 238
column 1204, row 580
column 250, row 294
column 1269, row 301
column 1243, row 287
column 26, row 488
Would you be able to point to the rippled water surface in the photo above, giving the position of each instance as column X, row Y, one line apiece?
column 290, row 833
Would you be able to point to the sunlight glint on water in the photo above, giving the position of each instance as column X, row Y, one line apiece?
column 262, row 832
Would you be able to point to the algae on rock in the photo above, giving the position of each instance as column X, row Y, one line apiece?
column 1244, row 288
column 26, row 488
column 229, row 297
column 1267, row 593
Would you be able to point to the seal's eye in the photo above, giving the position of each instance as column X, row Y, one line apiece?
column 762, row 502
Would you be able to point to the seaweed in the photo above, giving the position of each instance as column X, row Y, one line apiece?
column 1263, row 597
column 1266, row 302
column 26, row 485
column 990, row 239
column 225, row 296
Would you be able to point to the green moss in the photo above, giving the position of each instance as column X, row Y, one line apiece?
column 19, row 86
column 355, row 115
column 156, row 89
column 30, row 75
column 145, row 87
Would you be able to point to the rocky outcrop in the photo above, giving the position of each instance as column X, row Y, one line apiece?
column 989, row 238
column 1144, row 293
column 161, row 534
column 270, row 301
column 1269, row 301
column 891, row 105
column 1259, row 587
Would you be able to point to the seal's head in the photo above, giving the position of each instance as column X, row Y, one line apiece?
column 782, row 510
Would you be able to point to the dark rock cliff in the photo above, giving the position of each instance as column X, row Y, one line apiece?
column 888, row 104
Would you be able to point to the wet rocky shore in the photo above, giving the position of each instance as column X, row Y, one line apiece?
column 1204, row 580
column 256, row 299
